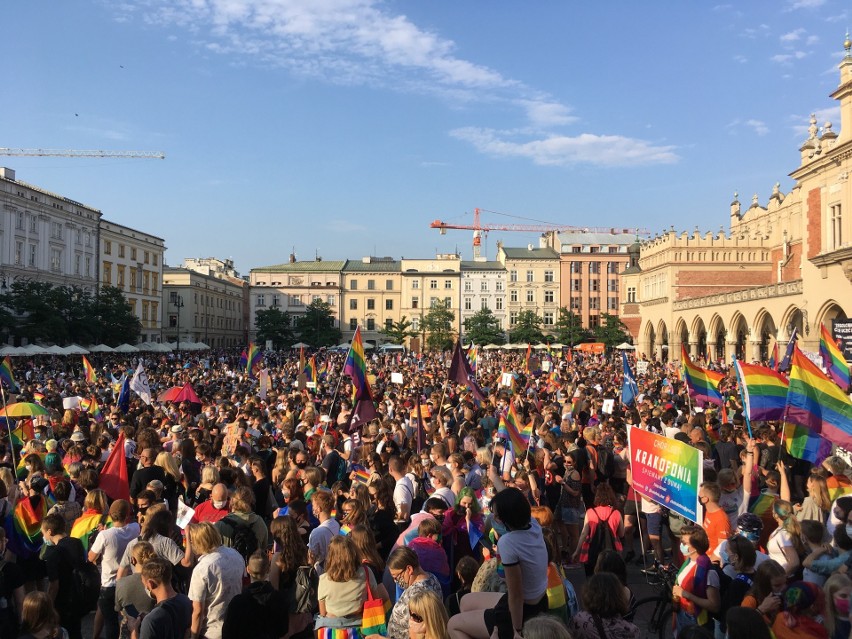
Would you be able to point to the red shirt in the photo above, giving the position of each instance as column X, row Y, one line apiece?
column 206, row 512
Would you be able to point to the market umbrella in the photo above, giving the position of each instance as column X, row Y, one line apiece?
column 23, row 409
column 624, row 346
column 179, row 394
column 170, row 395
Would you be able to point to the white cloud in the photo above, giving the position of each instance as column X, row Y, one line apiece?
column 829, row 114
column 560, row 150
column 787, row 58
column 793, row 36
column 740, row 58
column 546, row 113
column 812, row 39
column 758, row 126
column 753, row 32
column 804, row 4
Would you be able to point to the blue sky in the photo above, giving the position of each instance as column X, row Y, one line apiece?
column 344, row 127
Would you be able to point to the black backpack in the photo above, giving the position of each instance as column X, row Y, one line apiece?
column 601, row 540
column 87, row 587
column 304, row 591
column 606, row 464
column 242, row 537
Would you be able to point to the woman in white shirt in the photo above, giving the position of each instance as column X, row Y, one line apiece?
column 785, row 542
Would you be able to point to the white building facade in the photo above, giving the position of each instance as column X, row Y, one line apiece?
column 483, row 286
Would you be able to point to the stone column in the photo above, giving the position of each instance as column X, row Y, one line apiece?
column 755, row 350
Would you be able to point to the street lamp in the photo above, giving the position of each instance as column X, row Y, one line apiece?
column 178, row 302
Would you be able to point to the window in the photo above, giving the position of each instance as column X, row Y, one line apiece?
column 19, row 221
column 155, row 311
column 353, row 285
column 88, row 266
column 146, row 257
column 56, row 259
column 483, row 286
column 529, row 276
column 276, row 301
column 576, row 303
column 132, row 253
column 295, row 300
column 120, row 273
column 448, row 302
column 483, row 303
column 594, row 285
column 498, row 303
column 612, row 268
column 631, row 295
column 595, row 268
column 836, row 227
column 388, row 305
column 468, row 303
column 576, row 268
column 612, row 286
column 107, row 270
column 261, row 300
column 371, row 324
column 415, row 302
column 548, row 297
column 146, row 280
column 433, row 301
column 594, row 249
column 388, row 324
column 330, row 300
column 468, row 286
column 594, row 321
column 576, row 285
column 513, row 318
column 448, row 284
column 548, row 276
column 433, row 284
column 388, row 285
column 548, row 318
column 19, row 253
column 371, row 304
column 353, row 305
column 144, row 310
column 121, row 250
column 371, row 285
column 88, row 239
column 56, row 230
column 415, row 284
column 513, row 296
column 172, row 321
column 415, row 323
column 576, row 249
column 530, row 297
column 595, row 303
column 155, row 280
column 499, row 286
column 107, row 247
column 353, row 323
column 156, row 258
column 613, row 249
column 513, row 276
column 612, row 304
column 33, row 224
column 33, row 254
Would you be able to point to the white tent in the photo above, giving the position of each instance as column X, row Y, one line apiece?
column 55, row 350
column 303, row 345
column 35, row 349
column 100, row 348
column 12, row 350
column 201, row 346
column 126, row 348
column 491, row 347
column 624, row 346
column 540, row 347
column 74, row 349
column 557, row 345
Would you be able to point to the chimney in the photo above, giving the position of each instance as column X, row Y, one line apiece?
column 292, row 258
column 7, row 173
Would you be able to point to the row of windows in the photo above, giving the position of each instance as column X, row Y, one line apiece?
column 594, row 285
column 483, row 304
column 25, row 221
column 371, row 304
column 513, row 276
column 140, row 280
column 147, row 256
column 612, row 268
column 294, row 300
column 483, row 286
column 371, row 285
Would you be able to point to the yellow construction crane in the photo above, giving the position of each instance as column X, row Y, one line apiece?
column 72, row 153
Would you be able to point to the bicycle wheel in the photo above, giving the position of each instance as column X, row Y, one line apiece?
column 654, row 618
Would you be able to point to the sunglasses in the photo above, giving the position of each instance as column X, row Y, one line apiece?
column 415, row 617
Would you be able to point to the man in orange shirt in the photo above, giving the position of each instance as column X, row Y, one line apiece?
column 716, row 522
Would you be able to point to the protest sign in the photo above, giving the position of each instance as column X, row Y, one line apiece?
column 608, row 406
column 641, row 367
column 396, row 378
column 666, row 471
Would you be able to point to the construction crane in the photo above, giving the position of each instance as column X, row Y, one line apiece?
column 480, row 229
column 72, row 153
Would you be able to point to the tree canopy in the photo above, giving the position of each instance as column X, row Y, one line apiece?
column 569, row 328
column 527, row 329
column 316, row 327
column 611, row 331
column 276, row 325
column 438, row 324
column 483, row 328
column 399, row 331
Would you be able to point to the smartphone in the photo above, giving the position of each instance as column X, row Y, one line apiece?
column 131, row 611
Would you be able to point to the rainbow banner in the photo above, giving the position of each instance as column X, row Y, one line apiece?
column 362, row 475
column 764, row 391
column 89, row 371
column 703, row 384
column 356, row 367
column 666, row 471
column 510, row 429
column 311, row 370
column 473, row 357
column 23, row 527
column 801, row 443
column 253, row 358
column 6, row 374
column 816, row 402
column 832, row 358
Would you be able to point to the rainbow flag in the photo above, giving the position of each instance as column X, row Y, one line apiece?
column 473, row 357
column 253, row 358
column 345, row 529
column 356, row 367
column 764, row 391
column 22, row 463
column 703, row 384
column 311, row 369
column 322, row 370
column 23, row 431
column 509, row 428
column 762, row 506
column 86, row 524
column 89, row 371
column 774, row 361
column 362, row 476
column 6, row 374
column 816, row 402
column 23, row 527
column 91, row 406
column 38, row 398
column 802, row 443
column 833, row 359
column 838, row 486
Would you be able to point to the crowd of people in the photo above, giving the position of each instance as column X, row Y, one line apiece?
column 272, row 512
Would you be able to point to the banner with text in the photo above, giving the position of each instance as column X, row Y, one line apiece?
column 666, row 471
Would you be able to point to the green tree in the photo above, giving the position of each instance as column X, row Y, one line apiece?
column 569, row 328
column 316, row 326
column 438, row 326
column 36, row 305
column 527, row 328
column 483, row 328
column 611, row 331
column 399, row 331
column 116, row 321
column 273, row 324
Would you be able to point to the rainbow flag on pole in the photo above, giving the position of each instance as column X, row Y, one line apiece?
column 473, row 357
column 833, row 359
column 703, row 384
column 311, row 369
column 815, row 402
column 6, row 374
column 91, row 406
column 802, row 443
column 510, row 428
column 356, row 367
column 89, row 371
column 253, row 358
column 764, row 391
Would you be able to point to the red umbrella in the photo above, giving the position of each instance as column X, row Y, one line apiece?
column 179, row 394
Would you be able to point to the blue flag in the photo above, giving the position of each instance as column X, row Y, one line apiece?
column 784, row 366
column 124, row 395
column 629, row 387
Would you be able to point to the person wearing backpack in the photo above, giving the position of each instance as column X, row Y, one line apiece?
column 603, row 529
column 63, row 555
column 243, row 530
column 260, row 611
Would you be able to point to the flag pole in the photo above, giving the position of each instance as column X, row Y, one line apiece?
column 339, row 381
column 741, row 389
column 9, row 428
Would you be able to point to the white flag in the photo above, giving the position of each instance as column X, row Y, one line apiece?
column 264, row 384
column 139, row 384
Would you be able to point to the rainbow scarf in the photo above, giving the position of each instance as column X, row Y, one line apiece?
column 703, row 384
column 833, row 359
column 696, row 583
column 89, row 371
column 23, row 526
column 6, row 374
column 87, row 523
